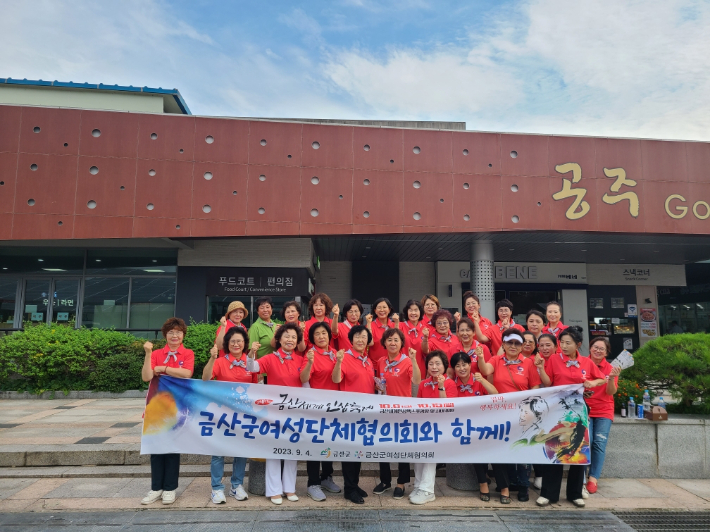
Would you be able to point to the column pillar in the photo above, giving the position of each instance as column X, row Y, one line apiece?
column 483, row 277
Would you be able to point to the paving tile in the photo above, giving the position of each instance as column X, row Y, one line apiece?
column 700, row 488
column 10, row 486
column 39, row 488
column 88, row 488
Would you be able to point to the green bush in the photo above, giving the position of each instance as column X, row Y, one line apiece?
column 678, row 363
column 118, row 373
column 58, row 357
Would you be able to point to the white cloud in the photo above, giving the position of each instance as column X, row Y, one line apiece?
column 636, row 68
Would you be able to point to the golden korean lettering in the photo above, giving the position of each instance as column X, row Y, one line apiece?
column 579, row 207
column 620, row 175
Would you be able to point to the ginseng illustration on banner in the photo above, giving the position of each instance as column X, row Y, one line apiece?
column 541, row 426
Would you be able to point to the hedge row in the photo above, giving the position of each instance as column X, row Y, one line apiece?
column 59, row 357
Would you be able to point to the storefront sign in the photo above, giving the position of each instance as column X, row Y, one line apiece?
column 257, row 281
column 545, row 426
column 518, row 272
column 636, row 274
column 648, row 326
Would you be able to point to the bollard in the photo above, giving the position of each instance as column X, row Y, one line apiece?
column 461, row 477
column 257, row 476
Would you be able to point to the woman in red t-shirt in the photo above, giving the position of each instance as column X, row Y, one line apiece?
column 319, row 307
column 494, row 337
column 437, row 386
column 282, row 368
column 412, row 328
column 354, row 372
column 512, row 372
column 430, row 304
column 567, row 367
column 442, row 338
column 352, row 310
column 477, row 352
column 317, row 372
column 395, row 375
column 236, row 312
column 472, row 384
column 291, row 313
column 231, row 367
column 601, row 408
column 472, row 306
column 172, row 360
column 378, row 325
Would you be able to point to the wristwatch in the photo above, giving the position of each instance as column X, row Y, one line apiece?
column 442, row 389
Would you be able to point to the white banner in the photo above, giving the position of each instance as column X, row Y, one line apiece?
column 547, row 425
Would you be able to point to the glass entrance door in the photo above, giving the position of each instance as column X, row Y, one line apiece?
column 50, row 300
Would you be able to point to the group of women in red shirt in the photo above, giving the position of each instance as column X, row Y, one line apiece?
column 418, row 354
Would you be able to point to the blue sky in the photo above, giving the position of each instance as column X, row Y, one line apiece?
column 618, row 68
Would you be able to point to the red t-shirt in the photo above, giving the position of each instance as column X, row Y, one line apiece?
column 377, row 352
column 230, row 324
column 413, row 339
column 428, row 389
column 473, row 387
column 484, row 324
column 343, row 342
column 522, row 376
column 560, row 327
column 560, row 373
column 448, row 344
column 474, row 357
column 181, row 359
column 310, row 323
column 601, row 404
column 496, row 336
column 224, row 369
column 358, row 374
column 398, row 377
column 282, row 371
column 322, row 370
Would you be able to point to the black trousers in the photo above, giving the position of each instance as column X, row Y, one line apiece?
column 314, row 472
column 552, row 482
column 403, row 476
column 351, row 476
column 538, row 468
column 164, row 471
column 500, row 473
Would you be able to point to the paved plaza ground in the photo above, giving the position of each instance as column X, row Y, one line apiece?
column 63, row 456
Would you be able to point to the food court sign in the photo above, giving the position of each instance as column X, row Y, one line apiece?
column 257, row 281
column 621, row 191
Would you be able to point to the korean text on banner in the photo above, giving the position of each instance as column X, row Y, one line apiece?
column 543, row 426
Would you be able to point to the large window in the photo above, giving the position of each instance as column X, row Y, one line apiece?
column 8, row 295
column 152, row 302
column 685, row 317
column 105, row 302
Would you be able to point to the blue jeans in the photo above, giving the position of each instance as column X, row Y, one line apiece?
column 217, row 472
column 599, row 428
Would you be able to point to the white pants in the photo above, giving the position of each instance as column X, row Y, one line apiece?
column 277, row 483
column 424, row 477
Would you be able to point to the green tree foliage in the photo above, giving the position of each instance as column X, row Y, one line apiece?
column 679, row 363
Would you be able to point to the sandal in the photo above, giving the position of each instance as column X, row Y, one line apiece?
column 504, row 499
column 485, row 497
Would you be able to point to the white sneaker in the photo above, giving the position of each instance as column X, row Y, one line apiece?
column 168, row 497
column 217, row 497
column 239, row 493
column 585, row 493
column 542, row 501
column 579, row 503
column 422, row 497
column 415, row 490
column 537, row 483
column 152, row 497
column 316, row 493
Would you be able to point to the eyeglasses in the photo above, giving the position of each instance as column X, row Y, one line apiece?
column 513, row 344
column 442, row 322
column 600, row 348
column 174, row 333
column 239, row 342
